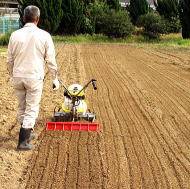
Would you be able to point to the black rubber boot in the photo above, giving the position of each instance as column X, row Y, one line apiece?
column 24, row 139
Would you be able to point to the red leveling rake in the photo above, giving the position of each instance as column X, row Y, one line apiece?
column 71, row 126
column 69, row 120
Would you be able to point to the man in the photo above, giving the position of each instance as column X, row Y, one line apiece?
column 29, row 50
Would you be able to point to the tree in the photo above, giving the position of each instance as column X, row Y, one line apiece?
column 184, row 18
column 113, row 4
column 117, row 24
column 73, row 16
column 50, row 10
column 153, row 25
column 137, row 8
column 169, row 9
column 96, row 12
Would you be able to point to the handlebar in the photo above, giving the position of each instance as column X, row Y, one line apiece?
column 94, row 84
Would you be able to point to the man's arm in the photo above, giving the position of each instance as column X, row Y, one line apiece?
column 10, row 58
column 50, row 58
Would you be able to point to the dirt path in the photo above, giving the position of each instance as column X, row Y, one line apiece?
column 143, row 107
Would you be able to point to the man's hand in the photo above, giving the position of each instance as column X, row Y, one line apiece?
column 56, row 84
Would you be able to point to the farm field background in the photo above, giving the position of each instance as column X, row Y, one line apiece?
column 142, row 104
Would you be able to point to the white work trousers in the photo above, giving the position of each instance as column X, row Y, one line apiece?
column 28, row 92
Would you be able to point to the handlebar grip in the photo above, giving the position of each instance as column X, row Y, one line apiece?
column 94, row 84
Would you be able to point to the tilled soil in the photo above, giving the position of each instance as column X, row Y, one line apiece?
column 143, row 106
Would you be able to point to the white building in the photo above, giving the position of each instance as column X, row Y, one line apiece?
column 9, row 16
column 9, row 7
column 124, row 3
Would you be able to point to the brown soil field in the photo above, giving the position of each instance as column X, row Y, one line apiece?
column 142, row 104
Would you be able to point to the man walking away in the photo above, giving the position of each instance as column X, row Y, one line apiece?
column 29, row 50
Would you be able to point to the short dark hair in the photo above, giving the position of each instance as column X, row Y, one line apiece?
column 31, row 13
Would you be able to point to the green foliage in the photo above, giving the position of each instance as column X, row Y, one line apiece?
column 173, row 25
column 184, row 18
column 51, row 12
column 109, row 22
column 169, row 9
column 117, row 24
column 114, row 4
column 153, row 25
column 96, row 12
column 73, row 16
column 87, row 26
column 169, row 41
column 82, row 38
column 4, row 40
column 137, row 8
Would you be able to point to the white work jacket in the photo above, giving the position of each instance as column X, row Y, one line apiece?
column 29, row 50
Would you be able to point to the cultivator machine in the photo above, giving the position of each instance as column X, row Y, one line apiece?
column 73, row 115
